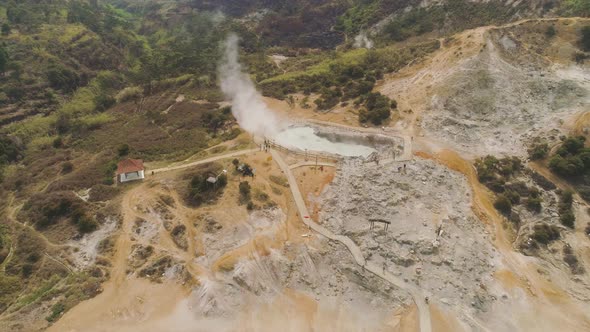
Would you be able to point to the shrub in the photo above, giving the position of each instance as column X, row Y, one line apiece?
column 539, row 151
column 56, row 312
column 62, row 78
column 585, row 39
column 567, row 167
column 550, row 31
column 133, row 93
column 378, row 108
column 513, row 196
column 58, row 142
column 245, row 189
column 201, row 191
column 567, row 219
column 250, row 206
column 123, row 150
column 67, row 167
column 503, row 204
column 544, row 233
column 5, row 29
column 533, row 204
column 103, row 102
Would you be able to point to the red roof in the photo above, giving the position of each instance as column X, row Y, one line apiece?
column 129, row 166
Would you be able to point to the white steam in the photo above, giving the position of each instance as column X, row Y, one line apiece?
column 362, row 40
column 247, row 106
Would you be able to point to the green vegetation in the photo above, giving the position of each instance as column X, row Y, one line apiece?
column 566, row 214
column 499, row 176
column 572, row 161
column 576, row 8
column 572, row 158
column 585, row 39
column 201, row 191
column 349, row 75
column 56, row 312
column 378, row 108
column 538, row 151
column 245, row 190
column 544, row 234
column 503, row 204
column 418, row 21
column 46, row 210
column 358, row 17
column 551, row 31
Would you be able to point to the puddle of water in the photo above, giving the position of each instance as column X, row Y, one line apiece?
column 305, row 138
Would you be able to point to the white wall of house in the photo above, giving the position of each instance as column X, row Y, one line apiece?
column 131, row 176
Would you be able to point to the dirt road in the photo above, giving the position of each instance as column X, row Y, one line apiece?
column 203, row 161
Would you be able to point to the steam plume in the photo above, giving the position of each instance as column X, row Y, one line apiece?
column 247, row 106
column 362, row 40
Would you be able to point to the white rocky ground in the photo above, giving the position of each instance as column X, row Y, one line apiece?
column 495, row 102
column 321, row 270
column 422, row 202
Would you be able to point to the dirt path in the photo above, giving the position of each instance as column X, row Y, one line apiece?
column 204, row 161
column 417, row 295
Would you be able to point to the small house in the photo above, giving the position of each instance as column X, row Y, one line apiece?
column 130, row 170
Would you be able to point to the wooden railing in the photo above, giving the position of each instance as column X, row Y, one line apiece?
column 308, row 155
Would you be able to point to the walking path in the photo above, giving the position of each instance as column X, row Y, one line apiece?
column 417, row 295
column 204, row 161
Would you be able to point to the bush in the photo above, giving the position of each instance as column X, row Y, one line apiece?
column 123, row 150
column 378, row 108
column 566, row 215
column 58, row 142
column 539, row 151
column 133, row 93
column 567, row 167
column 245, row 189
column 62, row 78
column 567, row 219
column 103, row 102
column 533, row 204
column 201, row 191
column 56, row 312
column 513, row 196
column 503, row 205
column 67, row 167
column 585, row 39
column 544, row 233
column 551, row 31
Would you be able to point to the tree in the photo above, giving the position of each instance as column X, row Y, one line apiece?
column 123, row 150
column 550, row 32
column 245, row 189
column 503, row 204
column 585, row 38
column 3, row 59
column 5, row 29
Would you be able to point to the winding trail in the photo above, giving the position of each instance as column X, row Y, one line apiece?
column 417, row 294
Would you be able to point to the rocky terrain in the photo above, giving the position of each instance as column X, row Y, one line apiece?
column 434, row 239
